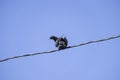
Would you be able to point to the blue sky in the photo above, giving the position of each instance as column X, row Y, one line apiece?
column 26, row 25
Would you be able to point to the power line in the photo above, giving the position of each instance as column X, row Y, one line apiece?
column 89, row 42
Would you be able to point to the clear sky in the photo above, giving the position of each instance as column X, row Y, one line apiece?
column 26, row 25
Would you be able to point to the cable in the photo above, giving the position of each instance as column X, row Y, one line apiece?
column 89, row 42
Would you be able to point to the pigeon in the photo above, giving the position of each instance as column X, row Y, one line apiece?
column 60, row 43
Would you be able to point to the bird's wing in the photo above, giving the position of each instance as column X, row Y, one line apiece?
column 66, row 41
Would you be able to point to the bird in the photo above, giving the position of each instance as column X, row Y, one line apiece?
column 60, row 43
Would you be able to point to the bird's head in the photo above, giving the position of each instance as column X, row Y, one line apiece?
column 53, row 38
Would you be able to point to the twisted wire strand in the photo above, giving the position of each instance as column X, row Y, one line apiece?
column 51, row 51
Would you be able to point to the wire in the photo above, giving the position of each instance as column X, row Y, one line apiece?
column 89, row 42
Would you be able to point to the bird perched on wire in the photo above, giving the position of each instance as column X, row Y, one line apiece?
column 60, row 43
